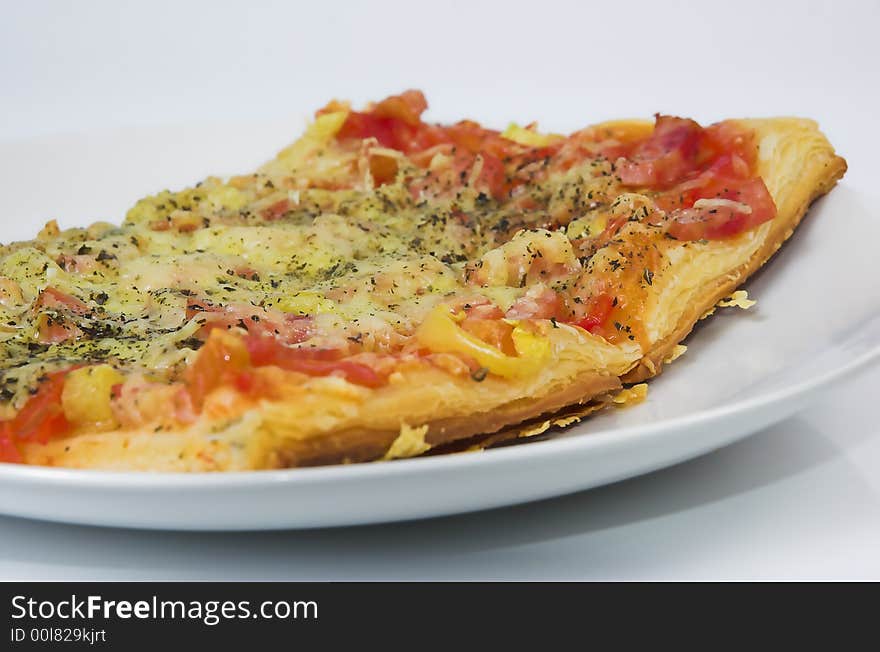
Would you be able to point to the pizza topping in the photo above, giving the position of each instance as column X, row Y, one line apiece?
column 529, row 136
column 39, row 419
column 724, row 208
column 290, row 328
column 665, row 157
column 219, row 362
column 598, row 311
column 10, row 293
column 537, row 255
column 52, row 299
column 269, row 351
column 442, row 332
column 228, row 359
column 694, row 169
column 539, row 302
column 139, row 402
column 86, row 396
column 55, row 313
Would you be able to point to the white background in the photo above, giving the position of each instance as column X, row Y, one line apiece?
column 801, row 500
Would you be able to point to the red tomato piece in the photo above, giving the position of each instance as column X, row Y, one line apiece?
column 718, row 222
column 57, row 328
column 492, row 176
column 537, row 303
column 267, row 350
column 8, row 450
column 395, row 122
column 666, row 156
column 277, row 210
column 53, row 331
column 482, row 309
column 290, row 328
column 730, row 139
column 406, row 107
column 218, row 362
column 53, row 299
column 39, row 419
column 597, row 313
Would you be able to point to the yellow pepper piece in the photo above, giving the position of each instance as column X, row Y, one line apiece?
column 532, row 349
column 86, row 395
column 317, row 133
column 440, row 333
column 528, row 137
column 327, row 125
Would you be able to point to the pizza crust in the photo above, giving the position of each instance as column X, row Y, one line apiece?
column 327, row 420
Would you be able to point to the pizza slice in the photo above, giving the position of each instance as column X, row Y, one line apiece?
column 386, row 287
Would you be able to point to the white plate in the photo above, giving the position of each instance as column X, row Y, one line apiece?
column 816, row 322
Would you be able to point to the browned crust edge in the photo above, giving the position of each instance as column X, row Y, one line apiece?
column 364, row 444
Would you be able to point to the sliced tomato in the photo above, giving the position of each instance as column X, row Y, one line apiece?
column 406, row 107
column 719, row 222
column 53, row 299
column 390, row 131
column 267, row 350
column 365, row 125
column 726, row 178
column 277, row 210
column 290, row 328
column 218, row 363
column 8, row 450
column 733, row 140
column 666, row 157
column 537, row 303
column 689, row 164
column 474, row 138
column 598, row 311
column 493, row 178
column 57, row 327
column 38, row 420
column 42, row 416
column 54, row 330
column 395, row 122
